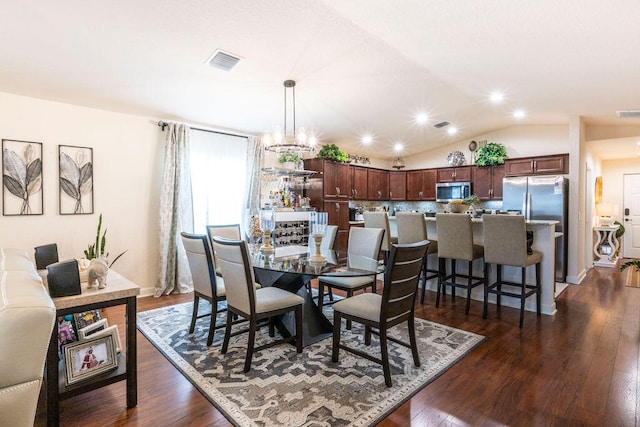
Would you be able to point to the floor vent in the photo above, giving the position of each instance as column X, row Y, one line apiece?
column 223, row 60
column 628, row 114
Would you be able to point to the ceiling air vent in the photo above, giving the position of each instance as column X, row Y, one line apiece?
column 628, row 114
column 441, row 125
column 223, row 60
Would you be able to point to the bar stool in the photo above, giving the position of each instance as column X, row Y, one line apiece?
column 412, row 228
column 505, row 243
column 380, row 220
column 455, row 242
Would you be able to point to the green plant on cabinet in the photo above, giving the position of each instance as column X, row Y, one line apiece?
column 332, row 152
column 491, row 154
column 289, row 157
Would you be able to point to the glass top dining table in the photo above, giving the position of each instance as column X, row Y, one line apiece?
column 291, row 268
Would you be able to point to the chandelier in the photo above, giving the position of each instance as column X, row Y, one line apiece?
column 282, row 141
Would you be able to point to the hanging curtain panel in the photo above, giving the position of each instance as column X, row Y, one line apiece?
column 75, row 168
column 21, row 178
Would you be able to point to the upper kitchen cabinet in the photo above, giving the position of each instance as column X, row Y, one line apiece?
column 421, row 184
column 457, row 174
column 336, row 177
column 542, row 165
column 487, row 182
column 378, row 186
column 359, row 183
column 397, row 185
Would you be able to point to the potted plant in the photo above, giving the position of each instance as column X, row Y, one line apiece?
column 289, row 160
column 97, row 249
column 491, row 154
column 332, row 152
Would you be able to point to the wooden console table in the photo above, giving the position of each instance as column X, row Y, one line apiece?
column 119, row 291
column 606, row 238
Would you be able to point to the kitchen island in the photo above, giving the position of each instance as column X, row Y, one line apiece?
column 543, row 241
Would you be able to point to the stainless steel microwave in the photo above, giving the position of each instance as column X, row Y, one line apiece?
column 448, row 191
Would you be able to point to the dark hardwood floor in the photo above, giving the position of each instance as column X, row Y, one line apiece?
column 578, row 367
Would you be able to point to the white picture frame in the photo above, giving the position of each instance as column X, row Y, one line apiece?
column 100, row 329
column 90, row 357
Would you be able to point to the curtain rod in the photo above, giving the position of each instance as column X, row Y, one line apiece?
column 164, row 124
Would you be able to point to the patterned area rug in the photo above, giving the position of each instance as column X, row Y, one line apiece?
column 285, row 388
column 632, row 278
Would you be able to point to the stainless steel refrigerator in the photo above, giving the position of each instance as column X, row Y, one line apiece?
column 542, row 198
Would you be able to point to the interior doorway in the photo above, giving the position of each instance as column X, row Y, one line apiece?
column 631, row 213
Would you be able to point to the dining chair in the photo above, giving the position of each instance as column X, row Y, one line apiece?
column 455, row 242
column 381, row 220
column 505, row 243
column 412, row 228
column 244, row 300
column 227, row 231
column 45, row 255
column 205, row 283
column 328, row 238
column 379, row 313
column 362, row 249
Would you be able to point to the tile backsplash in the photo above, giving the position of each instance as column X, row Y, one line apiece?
column 417, row 206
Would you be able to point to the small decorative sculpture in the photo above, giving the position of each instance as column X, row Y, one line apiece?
column 97, row 272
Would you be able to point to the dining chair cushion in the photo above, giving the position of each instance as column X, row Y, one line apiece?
column 347, row 282
column 366, row 306
column 271, row 298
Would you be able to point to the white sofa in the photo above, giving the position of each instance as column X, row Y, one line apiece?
column 27, row 317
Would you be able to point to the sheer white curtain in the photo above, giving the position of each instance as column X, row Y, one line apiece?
column 218, row 178
column 175, row 212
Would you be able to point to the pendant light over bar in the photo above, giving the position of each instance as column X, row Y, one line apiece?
column 282, row 141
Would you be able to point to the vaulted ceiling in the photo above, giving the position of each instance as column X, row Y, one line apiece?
column 361, row 66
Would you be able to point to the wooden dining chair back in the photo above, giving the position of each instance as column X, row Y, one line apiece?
column 205, row 283
column 412, row 228
column 244, row 300
column 505, row 243
column 455, row 242
column 379, row 313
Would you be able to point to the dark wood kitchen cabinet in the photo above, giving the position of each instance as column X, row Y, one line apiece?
column 338, row 214
column 359, row 183
column 397, row 185
column 487, row 182
column 328, row 191
column 457, row 174
column 336, row 177
column 378, row 184
column 541, row 165
column 421, row 184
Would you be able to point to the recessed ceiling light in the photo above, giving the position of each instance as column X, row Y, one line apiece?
column 497, row 97
column 367, row 139
column 638, row 143
column 398, row 146
column 452, row 130
column 421, row 118
column 518, row 114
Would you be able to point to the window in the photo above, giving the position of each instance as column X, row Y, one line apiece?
column 218, row 178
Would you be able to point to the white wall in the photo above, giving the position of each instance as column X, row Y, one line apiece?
column 127, row 154
column 520, row 141
column 613, row 172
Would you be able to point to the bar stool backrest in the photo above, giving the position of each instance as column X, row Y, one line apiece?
column 505, row 240
column 412, row 227
column 455, row 236
column 379, row 220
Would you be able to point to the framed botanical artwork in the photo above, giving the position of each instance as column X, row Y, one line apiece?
column 76, row 180
column 90, row 357
column 21, row 177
